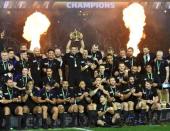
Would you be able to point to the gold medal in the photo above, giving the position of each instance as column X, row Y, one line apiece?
column 75, row 65
column 158, row 64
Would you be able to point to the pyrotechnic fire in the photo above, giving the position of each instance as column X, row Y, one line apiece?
column 134, row 19
column 35, row 25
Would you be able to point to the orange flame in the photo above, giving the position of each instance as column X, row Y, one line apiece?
column 35, row 25
column 134, row 19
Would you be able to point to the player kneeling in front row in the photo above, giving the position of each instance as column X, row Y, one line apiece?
column 131, row 93
column 47, row 99
column 96, row 91
column 66, row 102
column 11, row 100
column 149, row 104
column 82, row 100
column 114, row 96
column 30, row 104
column 106, row 114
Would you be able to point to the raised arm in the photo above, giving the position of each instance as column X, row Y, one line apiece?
column 68, row 46
column 82, row 46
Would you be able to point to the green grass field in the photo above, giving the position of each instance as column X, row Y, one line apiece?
column 163, row 127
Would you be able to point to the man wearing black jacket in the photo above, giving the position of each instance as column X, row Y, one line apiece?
column 144, row 58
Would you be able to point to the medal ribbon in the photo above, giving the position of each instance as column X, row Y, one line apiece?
column 10, row 93
column 150, row 76
column 158, row 64
column 5, row 65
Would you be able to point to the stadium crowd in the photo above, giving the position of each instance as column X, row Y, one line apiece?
column 109, row 88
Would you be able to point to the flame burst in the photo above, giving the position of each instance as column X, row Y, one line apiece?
column 35, row 25
column 134, row 19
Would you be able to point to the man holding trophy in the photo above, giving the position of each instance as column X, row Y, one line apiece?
column 73, row 57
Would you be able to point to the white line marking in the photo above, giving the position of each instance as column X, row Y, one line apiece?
column 61, row 129
column 81, row 129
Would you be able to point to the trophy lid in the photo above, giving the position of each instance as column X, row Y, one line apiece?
column 76, row 35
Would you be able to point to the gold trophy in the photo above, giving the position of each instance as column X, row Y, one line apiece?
column 76, row 35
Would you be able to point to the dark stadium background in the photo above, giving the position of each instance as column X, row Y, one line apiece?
column 99, row 26
column 102, row 26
